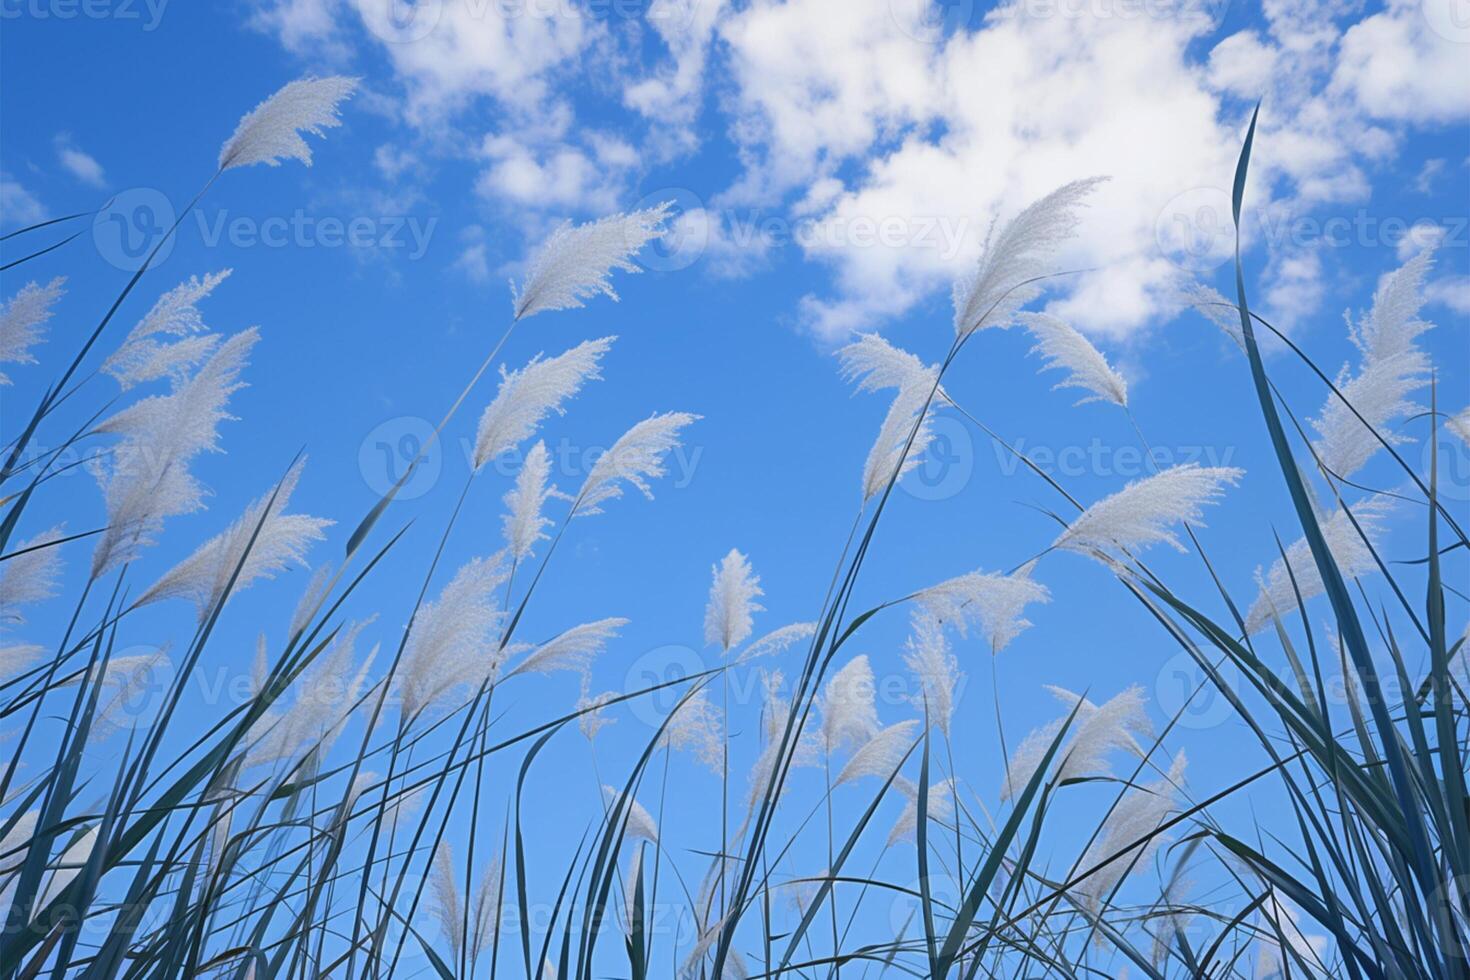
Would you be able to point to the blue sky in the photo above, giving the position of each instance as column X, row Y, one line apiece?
column 834, row 164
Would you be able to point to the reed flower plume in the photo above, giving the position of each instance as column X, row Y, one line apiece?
column 23, row 321
column 875, row 364
column 592, row 707
column 1392, row 367
column 1213, row 306
column 453, row 640
column 146, row 478
column 528, row 395
column 941, row 807
column 778, row 640
column 576, row 263
column 640, row 823
column 993, row 601
column 574, row 649
column 728, row 614
column 1014, row 256
column 902, row 441
column 144, row 357
column 849, row 716
column 524, row 524
column 1297, row 573
column 1096, row 732
column 927, row 654
column 1144, row 512
column 324, row 694
column 31, row 575
column 1137, row 817
column 636, row 458
column 14, row 844
column 696, row 726
column 881, row 754
column 1065, row 348
column 262, row 543
column 271, row 132
column 125, row 686
column 448, row 903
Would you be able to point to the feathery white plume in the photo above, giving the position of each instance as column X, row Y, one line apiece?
column 1354, row 558
column 452, row 642
column 448, row 904
column 1213, row 306
column 271, row 132
column 148, row 479
column 577, row 262
column 528, row 395
column 324, row 695
column 23, row 320
column 1015, row 256
column 1392, row 368
column 592, row 721
column 524, row 525
column 927, row 654
column 995, row 601
column 900, row 446
column 881, row 754
column 876, row 364
column 1138, row 814
column 1096, row 732
column 16, row 657
column 695, row 725
column 126, row 684
column 66, row 867
column 1144, row 511
column 779, row 640
column 143, row 357
column 262, row 543
column 14, row 846
column 941, row 807
column 30, row 575
column 310, row 601
column 1064, row 347
column 574, row 649
column 849, row 716
column 640, row 823
column 486, row 918
column 637, row 457
column 727, row 615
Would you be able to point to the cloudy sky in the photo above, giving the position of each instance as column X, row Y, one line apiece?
column 834, row 164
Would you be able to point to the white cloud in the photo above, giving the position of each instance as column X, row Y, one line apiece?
column 83, row 166
column 1397, row 67
column 1452, row 292
column 18, row 205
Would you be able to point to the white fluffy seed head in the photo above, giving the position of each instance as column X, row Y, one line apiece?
column 994, row 601
column 849, row 715
column 881, row 754
column 640, row 823
column 728, row 616
column 144, row 357
column 23, row 321
column 1135, row 819
column 30, row 575
column 636, row 458
column 261, row 544
column 271, row 132
column 696, row 726
column 1213, row 306
column 528, row 395
column 574, row 649
column 453, row 640
column 1015, row 255
column 1392, row 367
column 146, row 478
column 1065, row 348
column 524, row 524
column 927, row 654
column 940, row 808
column 577, row 262
column 1145, row 511
column 1298, row 572
column 875, row 364
column 902, row 441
